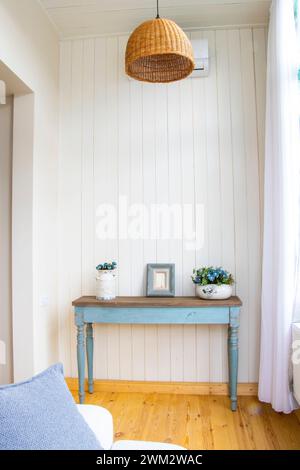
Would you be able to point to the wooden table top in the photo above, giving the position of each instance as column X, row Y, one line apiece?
column 129, row 302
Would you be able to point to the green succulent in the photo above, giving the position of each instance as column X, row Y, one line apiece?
column 107, row 266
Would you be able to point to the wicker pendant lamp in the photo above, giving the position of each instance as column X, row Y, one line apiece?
column 159, row 51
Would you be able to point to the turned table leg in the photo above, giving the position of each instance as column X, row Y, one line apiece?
column 80, row 361
column 233, row 352
column 90, row 355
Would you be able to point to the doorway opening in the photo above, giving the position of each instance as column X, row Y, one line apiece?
column 16, row 228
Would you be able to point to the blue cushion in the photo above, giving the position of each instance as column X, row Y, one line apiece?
column 40, row 414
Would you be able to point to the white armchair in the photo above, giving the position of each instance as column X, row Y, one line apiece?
column 296, row 364
column 101, row 422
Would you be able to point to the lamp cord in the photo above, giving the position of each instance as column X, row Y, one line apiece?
column 157, row 9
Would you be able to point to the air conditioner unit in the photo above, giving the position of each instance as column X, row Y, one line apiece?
column 201, row 56
column 2, row 92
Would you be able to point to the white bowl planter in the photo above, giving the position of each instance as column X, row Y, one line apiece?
column 106, row 285
column 214, row 292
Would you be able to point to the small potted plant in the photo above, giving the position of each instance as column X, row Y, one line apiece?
column 213, row 283
column 106, row 281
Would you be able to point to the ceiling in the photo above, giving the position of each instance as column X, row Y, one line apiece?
column 77, row 18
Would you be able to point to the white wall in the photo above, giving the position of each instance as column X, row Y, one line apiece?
column 197, row 141
column 30, row 48
column 6, row 123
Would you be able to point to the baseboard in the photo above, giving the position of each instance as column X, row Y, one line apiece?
column 177, row 388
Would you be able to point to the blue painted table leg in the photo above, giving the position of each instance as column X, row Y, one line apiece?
column 233, row 352
column 90, row 355
column 80, row 361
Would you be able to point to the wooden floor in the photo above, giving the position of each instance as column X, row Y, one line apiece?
column 199, row 422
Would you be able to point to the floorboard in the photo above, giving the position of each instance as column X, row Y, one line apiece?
column 200, row 422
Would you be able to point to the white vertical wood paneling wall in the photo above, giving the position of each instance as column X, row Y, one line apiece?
column 195, row 141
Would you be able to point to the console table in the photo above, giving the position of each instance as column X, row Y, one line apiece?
column 155, row 310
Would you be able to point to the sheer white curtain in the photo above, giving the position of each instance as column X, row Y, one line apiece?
column 281, row 208
column 297, row 15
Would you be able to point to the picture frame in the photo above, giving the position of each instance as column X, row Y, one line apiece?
column 161, row 280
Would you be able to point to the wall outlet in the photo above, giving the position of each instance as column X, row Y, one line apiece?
column 44, row 301
column 2, row 92
column 2, row 353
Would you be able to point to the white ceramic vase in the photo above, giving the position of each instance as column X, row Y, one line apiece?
column 214, row 292
column 106, row 285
